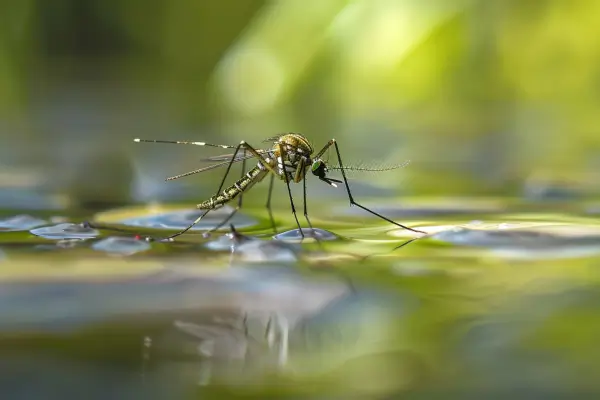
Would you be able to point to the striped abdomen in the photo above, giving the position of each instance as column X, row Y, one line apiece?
column 253, row 176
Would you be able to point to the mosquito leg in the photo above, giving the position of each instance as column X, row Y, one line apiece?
column 298, row 176
column 352, row 202
column 287, row 183
column 94, row 225
column 268, row 205
column 239, row 204
column 266, row 164
column 237, row 149
column 264, row 161
column 405, row 243
column 255, row 153
column 281, row 163
column 324, row 149
column 306, row 210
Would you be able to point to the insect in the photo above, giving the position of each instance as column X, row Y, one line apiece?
column 289, row 159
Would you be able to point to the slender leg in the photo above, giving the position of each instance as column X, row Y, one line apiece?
column 287, row 183
column 268, row 205
column 352, row 202
column 405, row 243
column 306, row 211
column 301, row 175
column 181, row 232
column 240, row 196
column 394, row 249
column 324, row 149
column 239, row 204
column 244, row 145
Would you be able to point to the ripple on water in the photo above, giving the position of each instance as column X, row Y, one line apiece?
column 121, row 245
column 294, row 235
column 535, row 243
column 183, row 218
column 21, row 222
column 61, row 244
column 255, row 250
column 65, row 231
column 69, row 243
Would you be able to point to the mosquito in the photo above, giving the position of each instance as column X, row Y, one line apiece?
column 289, row 159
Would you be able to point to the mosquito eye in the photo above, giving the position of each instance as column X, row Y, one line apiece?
column 315, row 166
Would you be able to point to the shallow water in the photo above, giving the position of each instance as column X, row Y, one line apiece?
column 499, row 298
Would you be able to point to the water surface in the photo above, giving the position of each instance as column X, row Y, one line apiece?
column 495, row 299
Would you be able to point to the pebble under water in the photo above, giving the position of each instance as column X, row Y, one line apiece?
column 494, row 301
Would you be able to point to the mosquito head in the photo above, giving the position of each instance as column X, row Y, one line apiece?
column 319, row 169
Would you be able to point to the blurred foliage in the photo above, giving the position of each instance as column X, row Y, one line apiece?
column 481, row 95
column 17, row 44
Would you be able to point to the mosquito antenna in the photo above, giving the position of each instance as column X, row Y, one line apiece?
column 222, row 146
column 370, row 169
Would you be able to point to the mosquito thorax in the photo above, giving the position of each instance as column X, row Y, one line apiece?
column 294, row 145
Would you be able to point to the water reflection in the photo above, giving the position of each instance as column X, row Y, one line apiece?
column 62, row 244
column 450, row 313
column 66, row 231
column 181, row 219
column 247, row 347
column 252, row 249
column 526, row 243
column 260, row 319
column 20, row 222
column 69, row 243
column 181, row 287
column 121, row 245
column 294, row 235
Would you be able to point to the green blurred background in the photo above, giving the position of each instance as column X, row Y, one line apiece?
column 484, row 96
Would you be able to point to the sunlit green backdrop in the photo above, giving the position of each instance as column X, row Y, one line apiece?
column 484, row 96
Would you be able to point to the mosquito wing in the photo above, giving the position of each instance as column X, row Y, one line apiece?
column 225, row 160
column 227, row 157
column 197, row 171
column 274, row 138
